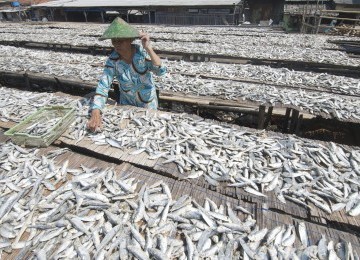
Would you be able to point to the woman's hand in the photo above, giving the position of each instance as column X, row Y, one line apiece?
column 145, row 40
column 95, row 121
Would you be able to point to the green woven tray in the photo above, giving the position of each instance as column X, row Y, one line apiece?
column 60, row 117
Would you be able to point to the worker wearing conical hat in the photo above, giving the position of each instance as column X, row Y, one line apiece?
column 131, row 64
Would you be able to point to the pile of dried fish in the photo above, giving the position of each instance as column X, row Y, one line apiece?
column 89, row 68
column 261, row 39
column 69, row 65
column 56, row 38
column 297, row 169
column 253, row 38
column 97, row 29
column 247, row 48
column 261, row 52
column 55, row 57
column 98, row 214
column 326, row 104
column 41, row 127
column 300, row 170
column 281, row 76
column 15, row 105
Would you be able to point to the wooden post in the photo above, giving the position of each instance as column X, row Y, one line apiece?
column 298, row 125
column 294, row 120
column 27, row 80
column 303, row 27
column 268, row 117
column 52, row 14
column 318, row 24
column 261, row 117
column 85, row 14
column 286, row 120
column 58, row 84
column 158, row 94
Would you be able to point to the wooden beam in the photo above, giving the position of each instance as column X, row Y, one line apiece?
column 286, row 120
column 340, row 18
column 294, row 120
column 268, row 117
column 309, row 25
column 27, row 80
column 85, row 14
column 230, row 109
column 318, row 25
column 340, row 11
column 298, row 125
column 261, row 117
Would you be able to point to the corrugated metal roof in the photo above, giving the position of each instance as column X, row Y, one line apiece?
column 299, row 9
column 348, row 2
column 136, row 3
column 305, row 1
column 33, row 2
column 13, row 10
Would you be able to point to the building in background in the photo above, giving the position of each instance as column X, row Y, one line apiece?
column 309, row 16
column 351, row 9
column 17, row 10
column 13, row 11
column 178, row 12
column 294, row 11
column 261, row 11
column 347, row 5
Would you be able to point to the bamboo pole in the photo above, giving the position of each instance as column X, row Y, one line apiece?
column 318, row 25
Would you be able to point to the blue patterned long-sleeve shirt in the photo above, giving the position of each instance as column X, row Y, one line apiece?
column 136, row 82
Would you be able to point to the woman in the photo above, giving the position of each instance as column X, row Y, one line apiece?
column 131, row 65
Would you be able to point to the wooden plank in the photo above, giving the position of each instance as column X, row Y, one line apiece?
column 116, row 153
column 261, row 117
column 7, row 125
column 268, row 117
column 3, row 138
column 294, row 120
column 286, row 120
column 340, row 11
column 340, row 18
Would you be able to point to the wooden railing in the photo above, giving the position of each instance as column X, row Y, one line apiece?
column 317, row 18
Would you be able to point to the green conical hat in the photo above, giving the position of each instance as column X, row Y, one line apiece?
column 119, row 29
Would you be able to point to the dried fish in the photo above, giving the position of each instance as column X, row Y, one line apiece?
column 258, row 44
column 294, row 168
column 59, row 230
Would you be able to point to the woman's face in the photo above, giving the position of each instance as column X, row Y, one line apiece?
column 121, row 44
